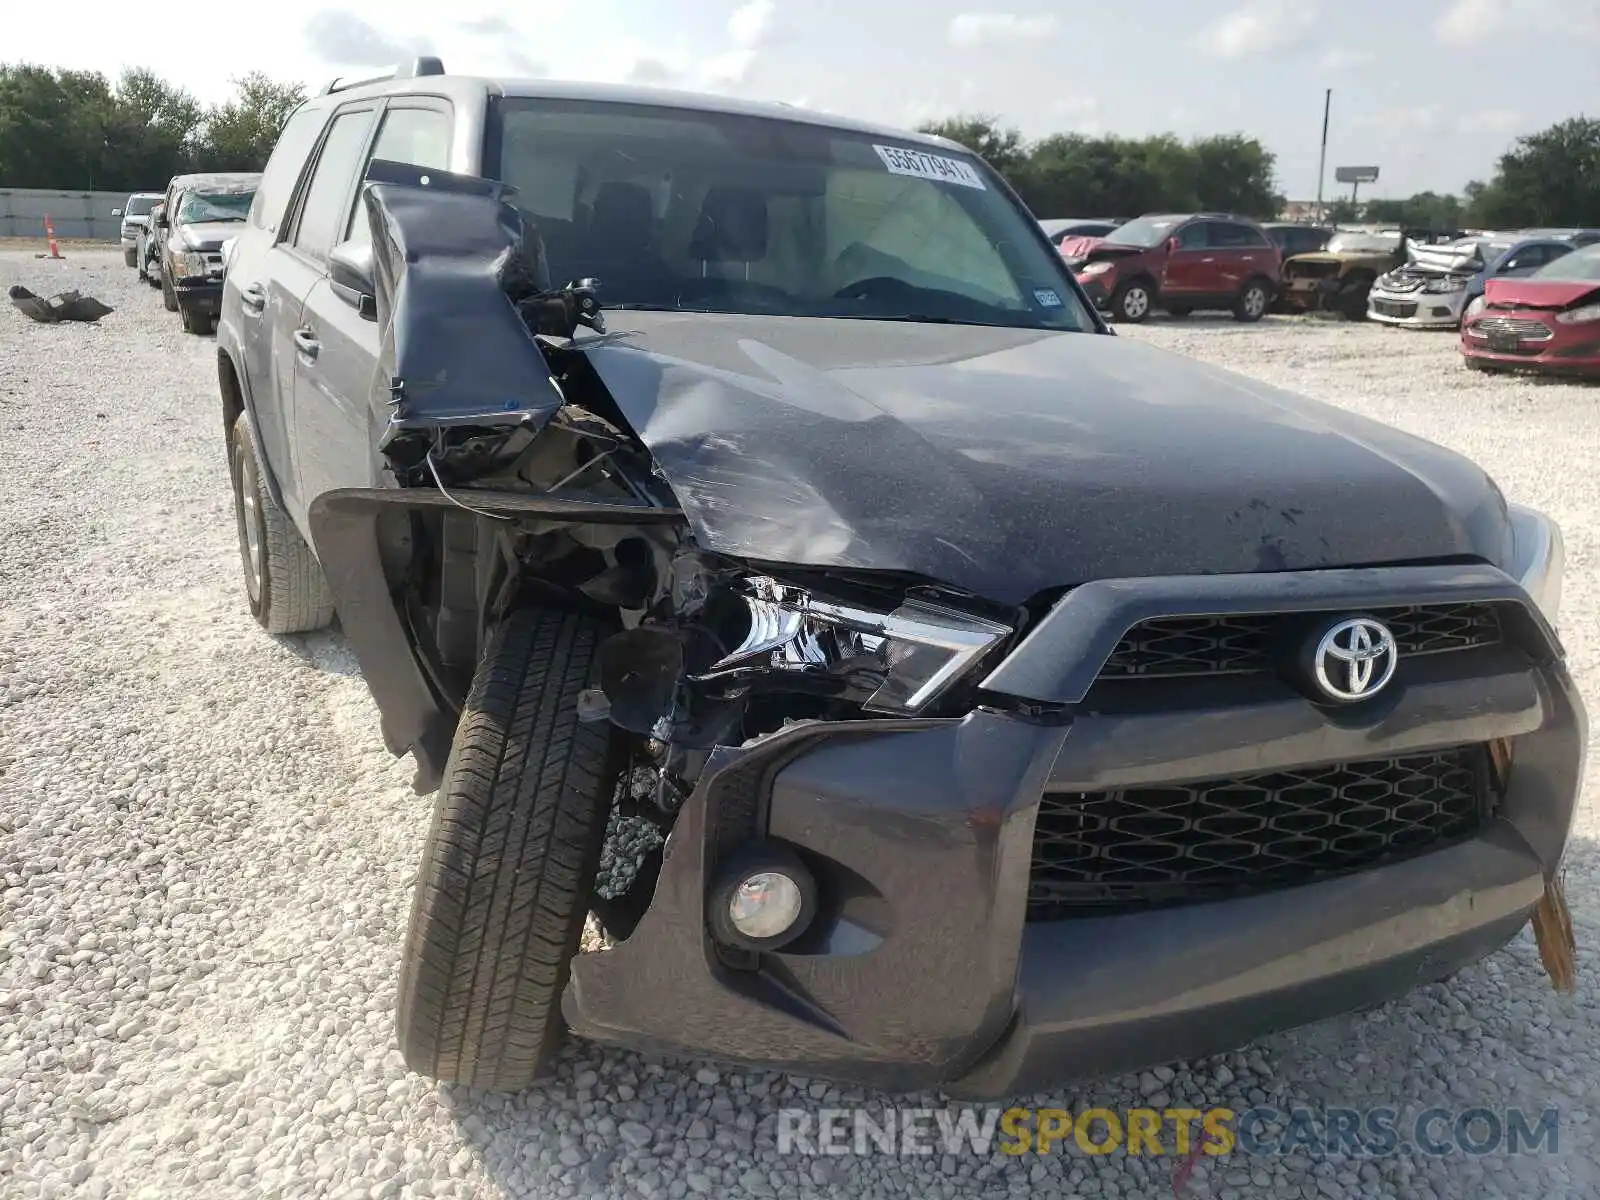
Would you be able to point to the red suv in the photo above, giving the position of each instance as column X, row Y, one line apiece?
column 1182, row 262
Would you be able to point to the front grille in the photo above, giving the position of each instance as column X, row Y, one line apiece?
column 1095, row 852
column 1310, row 270
column 1395, row 308
column 1520, row 327
column 1230, row 645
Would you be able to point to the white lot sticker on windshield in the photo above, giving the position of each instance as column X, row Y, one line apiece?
column 1047, row 298
column 930, row 166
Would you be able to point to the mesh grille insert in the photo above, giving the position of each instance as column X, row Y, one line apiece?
column 1184, row 843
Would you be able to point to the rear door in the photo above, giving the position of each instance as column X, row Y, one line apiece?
column 253, row 276
column 1237, row 252
column 1187, row 267
column 336, row 423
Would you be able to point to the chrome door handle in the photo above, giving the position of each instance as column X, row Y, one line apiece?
column 306, row 342
column 254, row 298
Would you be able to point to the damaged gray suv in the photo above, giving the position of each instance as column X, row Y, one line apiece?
column 830, row 647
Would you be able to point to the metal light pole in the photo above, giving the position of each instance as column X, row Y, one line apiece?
column 1322, row 159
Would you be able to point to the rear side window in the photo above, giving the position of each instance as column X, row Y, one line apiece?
column 283, row 168
column 1230, row 235
column 323, row 215
column 417, row 136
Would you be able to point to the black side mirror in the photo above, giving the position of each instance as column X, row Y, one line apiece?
column 350, row 274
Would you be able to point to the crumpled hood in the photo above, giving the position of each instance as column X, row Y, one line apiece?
column 208, row 235
column 1539, row 293
column 1007, row 462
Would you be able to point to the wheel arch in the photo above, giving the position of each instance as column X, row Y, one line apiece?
column 235, row 389
column 360, row 537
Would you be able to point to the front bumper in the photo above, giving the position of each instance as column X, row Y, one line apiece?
column 1097, row 288
column 1569, row 350
column 202, row 296
column 1416, row 310
column 923, row 970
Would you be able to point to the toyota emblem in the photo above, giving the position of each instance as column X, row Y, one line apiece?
column 1355, row 659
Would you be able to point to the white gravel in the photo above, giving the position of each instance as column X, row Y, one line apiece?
column 206, row 853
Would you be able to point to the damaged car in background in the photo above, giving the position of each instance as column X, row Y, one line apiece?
column 1429, row 289
column 985, row 687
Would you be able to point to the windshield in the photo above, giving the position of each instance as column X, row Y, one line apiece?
column 1145, row 231
column 1355, row 242
column 678, row 209
column 198, row 207
column 1580, row 266
column 140, row 206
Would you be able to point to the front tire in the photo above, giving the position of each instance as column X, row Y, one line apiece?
column 168, row 297
column 282, row 578
column 194, row 322
column 130, row 258
column 1132, row 301
column 1253, row 300
column 510, row 860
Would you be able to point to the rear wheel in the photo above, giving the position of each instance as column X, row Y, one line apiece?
column 510, row 860
column 282, row 578
column 1253, row 300
column 1132, row 301
column 193, row 321
column 1351, row 300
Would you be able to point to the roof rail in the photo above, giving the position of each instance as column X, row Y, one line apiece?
column 425, row 65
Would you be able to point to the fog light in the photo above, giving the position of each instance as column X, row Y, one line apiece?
column 764, row 898
column 765, row 905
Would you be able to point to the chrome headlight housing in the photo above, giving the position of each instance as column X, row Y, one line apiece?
column 1538, row 558
column 189, row 265
column 908, row 657
column 1449, row 283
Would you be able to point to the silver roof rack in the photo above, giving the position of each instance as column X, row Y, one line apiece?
column 417, row 67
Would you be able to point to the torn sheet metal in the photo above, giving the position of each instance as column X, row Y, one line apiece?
column 450, row 257
column 68, row 306
column 1010, row 461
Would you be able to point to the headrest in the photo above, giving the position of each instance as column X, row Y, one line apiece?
column 622, row 212
column 732, row 226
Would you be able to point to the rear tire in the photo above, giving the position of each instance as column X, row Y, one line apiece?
column 509, row 865
column 1132, row 301
column 168, row 297
column 282, row 578
column 130, row 258
column 1253, row 300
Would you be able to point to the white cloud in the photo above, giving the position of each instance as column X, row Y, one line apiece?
column 1491, row 120
column 980, row 28
column 1471, row 20
column 1079, row 114
column 1338, row 58
column 1417, row 119
column 1468, row 22
column 1258, row 27
column 339, row 37
column 752, row 24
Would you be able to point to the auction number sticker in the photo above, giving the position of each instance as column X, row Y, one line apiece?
column 930, row 166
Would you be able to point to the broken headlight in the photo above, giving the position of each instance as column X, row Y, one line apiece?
column 903, row 659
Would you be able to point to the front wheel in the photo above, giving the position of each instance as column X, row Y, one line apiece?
column 1132, row 301
column 169, row 298
column 195, row 322
column 1253, row 301
column 509, row 864
column 130, row 258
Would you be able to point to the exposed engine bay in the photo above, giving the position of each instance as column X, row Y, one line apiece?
column 525, row 484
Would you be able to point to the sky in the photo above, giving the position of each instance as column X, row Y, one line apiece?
column 1429, row 91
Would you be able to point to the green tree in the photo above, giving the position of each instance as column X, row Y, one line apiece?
column 1429, row 210
column 1233, row 173
column 983, row 134
column 150, row 132
column 1341, row 212
column 1546, row 178
column 52, row 127
column 240, row 134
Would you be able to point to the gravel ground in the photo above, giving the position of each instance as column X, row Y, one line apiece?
column 207, row 854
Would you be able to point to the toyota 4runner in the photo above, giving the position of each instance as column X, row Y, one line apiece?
column 998, row 701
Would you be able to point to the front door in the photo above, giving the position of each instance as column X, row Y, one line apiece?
column 337, row 420
column 1189, row 264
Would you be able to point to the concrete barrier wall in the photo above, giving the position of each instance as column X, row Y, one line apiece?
column 74, row 214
